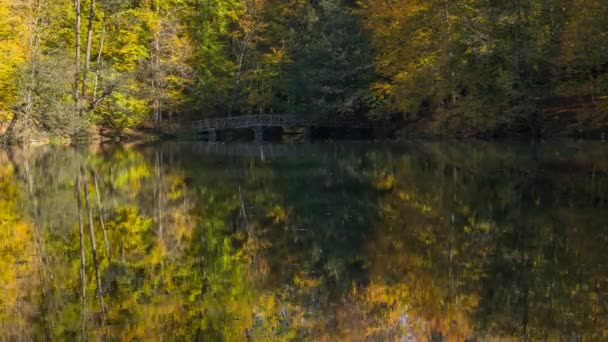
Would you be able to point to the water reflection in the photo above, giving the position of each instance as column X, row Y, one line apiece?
column 326, row 242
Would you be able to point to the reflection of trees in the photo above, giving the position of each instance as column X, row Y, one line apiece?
column 178, row 267
column 435, row 241
column 316, row 247
column 480, row 241
column 19, row 266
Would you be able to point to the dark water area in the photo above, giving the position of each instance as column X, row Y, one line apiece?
column 445, row 241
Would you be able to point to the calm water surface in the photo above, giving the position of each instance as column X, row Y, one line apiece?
column 352, row 242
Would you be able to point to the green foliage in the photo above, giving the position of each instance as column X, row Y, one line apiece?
column 465, row 67
column 51, row 108
column 330, row 63
column 122, row 111
column 210, row 27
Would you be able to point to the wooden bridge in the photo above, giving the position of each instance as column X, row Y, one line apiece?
column 259, row 122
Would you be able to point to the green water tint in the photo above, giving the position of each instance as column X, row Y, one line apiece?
column 431, row 241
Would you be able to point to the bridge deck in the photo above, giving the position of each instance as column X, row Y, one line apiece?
column 250, row 121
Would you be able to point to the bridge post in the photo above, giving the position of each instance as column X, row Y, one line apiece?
column 307, row 134
column 212, row 135
column 258, row 132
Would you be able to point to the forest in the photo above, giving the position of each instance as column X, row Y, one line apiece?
column 465, row 68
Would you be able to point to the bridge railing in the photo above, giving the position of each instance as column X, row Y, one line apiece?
column 268, row 120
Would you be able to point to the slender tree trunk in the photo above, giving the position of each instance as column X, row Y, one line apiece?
column 33, row 51
column 516, row 40
column 554, row 41
column 449, row 47
column 158, row 77
column 77, row 61
column 87, row 59
column 99, row 67
column 83, row 280
column 240, row 60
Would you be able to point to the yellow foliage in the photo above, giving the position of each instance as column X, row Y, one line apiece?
column 386, row 182
column 278, row 214
column 13, row 53
column 382, row 90
column 306, row 281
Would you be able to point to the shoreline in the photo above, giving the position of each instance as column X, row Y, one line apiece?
column 372, row 140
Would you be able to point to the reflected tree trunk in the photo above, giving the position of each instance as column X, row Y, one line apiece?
column 93, row 243
column 101, row 217
column 158, row 193
column 82, row 261
column 38, row 246
column 244, row 214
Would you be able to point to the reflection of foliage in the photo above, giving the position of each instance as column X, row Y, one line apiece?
column 17, row 259
column 431, row 241
column 480, row 241
column 132, row 232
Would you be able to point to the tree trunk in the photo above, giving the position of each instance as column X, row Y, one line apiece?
column 240, row 61
column 446, row 13
column 99, row 67
column 516, row 29
column 77, row 61
column 87, row 59
column 158, row 76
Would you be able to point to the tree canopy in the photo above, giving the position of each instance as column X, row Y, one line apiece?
column 464, row 67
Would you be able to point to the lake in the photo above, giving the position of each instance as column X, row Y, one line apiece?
column 447, row 241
